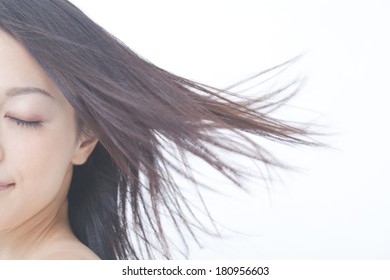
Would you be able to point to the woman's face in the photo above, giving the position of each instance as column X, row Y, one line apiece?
column 38, row 138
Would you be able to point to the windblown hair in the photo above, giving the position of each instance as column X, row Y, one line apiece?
column 137, row 110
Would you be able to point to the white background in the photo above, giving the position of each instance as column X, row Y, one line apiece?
column 337, row 205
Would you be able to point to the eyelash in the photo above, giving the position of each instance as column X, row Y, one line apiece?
column 26, row 124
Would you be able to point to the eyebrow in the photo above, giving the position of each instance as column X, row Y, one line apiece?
column 26, row 90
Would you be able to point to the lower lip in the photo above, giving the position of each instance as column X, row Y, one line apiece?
column 4, row 187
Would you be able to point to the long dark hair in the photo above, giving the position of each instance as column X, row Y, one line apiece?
column 143, row 117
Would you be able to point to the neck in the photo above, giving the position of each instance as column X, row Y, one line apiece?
column 26, row 240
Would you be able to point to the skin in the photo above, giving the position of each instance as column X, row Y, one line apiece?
column 37, row 159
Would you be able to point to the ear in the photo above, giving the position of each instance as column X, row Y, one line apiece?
column 84, row 148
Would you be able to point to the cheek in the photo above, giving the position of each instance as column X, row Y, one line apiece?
column 44, row 160
column 40, row 165
column 43, row 157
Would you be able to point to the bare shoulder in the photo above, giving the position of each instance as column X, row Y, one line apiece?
column 67, row 250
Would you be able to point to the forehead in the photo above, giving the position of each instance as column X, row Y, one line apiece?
column 19, row 69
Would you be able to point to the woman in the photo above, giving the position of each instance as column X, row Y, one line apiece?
column 89, row 129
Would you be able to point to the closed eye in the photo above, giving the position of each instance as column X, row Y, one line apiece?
column 23, row 123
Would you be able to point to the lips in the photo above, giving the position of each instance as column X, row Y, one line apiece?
column 5, row 186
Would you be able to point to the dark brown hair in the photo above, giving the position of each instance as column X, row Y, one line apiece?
column 143, row 117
